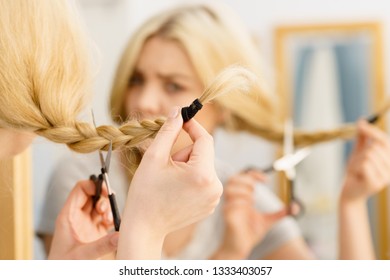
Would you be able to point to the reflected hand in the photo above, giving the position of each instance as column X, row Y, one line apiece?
column 81, row 230
column 245, row 226
column 368, row 169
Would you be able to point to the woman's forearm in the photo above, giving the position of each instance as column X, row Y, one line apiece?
column 354, row 231
column 139, row 238
column 222, row 254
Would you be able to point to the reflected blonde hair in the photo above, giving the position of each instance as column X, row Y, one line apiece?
column 214, row 38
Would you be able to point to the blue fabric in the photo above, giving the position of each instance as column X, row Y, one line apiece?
column 352, row 65
column 304, row 56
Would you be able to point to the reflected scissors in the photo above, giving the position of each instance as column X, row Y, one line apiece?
column 287, row 164
column 103, row 176
column 289, row 169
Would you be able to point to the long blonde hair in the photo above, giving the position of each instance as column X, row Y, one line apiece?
column 45, row 76
column 44, row 65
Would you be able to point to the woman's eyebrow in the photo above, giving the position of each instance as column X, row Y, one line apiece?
column 174, row 76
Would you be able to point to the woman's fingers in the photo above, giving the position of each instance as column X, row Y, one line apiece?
column 183, row 155
column 373, row 133
column 162, row 145
column 202, row 153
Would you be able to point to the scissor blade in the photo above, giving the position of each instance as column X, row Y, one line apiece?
column 288, row 140
column 100, row 152
column 291, row 160
column 108, row 157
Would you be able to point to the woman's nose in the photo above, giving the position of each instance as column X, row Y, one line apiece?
column 150, row 101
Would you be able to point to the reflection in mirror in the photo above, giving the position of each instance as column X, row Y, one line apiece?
column 329, row 75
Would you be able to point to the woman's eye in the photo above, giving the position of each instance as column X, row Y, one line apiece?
column 135, row 81
column 173, row 87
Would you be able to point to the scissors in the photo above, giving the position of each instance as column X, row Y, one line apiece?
column 103, row 176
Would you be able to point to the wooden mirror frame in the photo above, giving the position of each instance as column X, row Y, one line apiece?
column 16, row 226
column 284, row 89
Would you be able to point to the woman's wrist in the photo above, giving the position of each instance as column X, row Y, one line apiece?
column 139, row 238
column 351, row 193
column 224, row 253
column 350, row 203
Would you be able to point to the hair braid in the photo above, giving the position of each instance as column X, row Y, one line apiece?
column 84, row 138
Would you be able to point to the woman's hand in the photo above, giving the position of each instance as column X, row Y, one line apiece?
column 81, row 230
column 368, row 172
column 169, row 192
column 368, row 169
column 244, row 225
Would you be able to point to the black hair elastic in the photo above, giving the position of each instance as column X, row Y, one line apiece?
column 189, row 112
column 373, row 118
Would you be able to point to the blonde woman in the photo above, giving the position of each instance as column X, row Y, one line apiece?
column 169, row 61
column 44, row 81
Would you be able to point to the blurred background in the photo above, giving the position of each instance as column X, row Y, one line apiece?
column 310, row 47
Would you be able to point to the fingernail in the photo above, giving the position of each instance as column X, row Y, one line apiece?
column 173, row 113
column 103, row 206
column 109, row 216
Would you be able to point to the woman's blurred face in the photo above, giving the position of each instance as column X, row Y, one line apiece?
column 163, row 78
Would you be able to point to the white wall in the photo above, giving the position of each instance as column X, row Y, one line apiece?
column 262, row 16
column 110, row 21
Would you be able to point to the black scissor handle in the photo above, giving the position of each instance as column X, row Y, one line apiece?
column 293, row 200
column 115, row 211
column 98, row 181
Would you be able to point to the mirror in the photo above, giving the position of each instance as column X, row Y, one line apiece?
column 16, row 224
column 329, row 75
